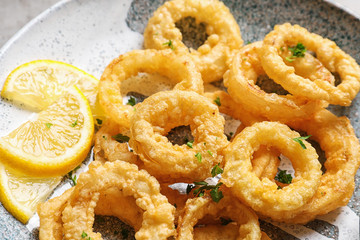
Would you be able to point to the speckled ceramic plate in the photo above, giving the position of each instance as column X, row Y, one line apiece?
column 90, row 33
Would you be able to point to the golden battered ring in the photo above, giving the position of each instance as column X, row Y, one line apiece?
column 222, row 29
column 178, row 68
column 240, row 81
column 326, row 51
column 78, row 214
column 263, row 195
column 163, row 111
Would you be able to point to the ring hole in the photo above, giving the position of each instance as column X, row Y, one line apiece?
column 193, row 34
column 143, row 85
column 180, row 135
column 269, row 86
column 337, row 79
column 112, row 228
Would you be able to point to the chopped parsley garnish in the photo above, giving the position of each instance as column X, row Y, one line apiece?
column 217, row 101
column 202, row 186
column 248, row 42
column 279, row 187
column 48, row 125
column 290, row 59
column 131, row 101
column 216, row 170
column 190, row 144
column 297, row 51
column 72, row 177
column 209, row 152
column 74, row 123
column 84, row 234
column 198, row 157
column 121, row 138
column 299, row 140
column 99, row 121
column 283, row 177
column 169, row 44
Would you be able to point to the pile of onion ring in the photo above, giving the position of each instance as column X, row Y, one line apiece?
column 136, row 166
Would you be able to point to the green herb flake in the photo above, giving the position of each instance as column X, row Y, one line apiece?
column 299, row 140
column 169, row 44
column 290, row 59
column 217, row 101
column 210, row 153
column 72, row 177
column 248, row 42
column 74, row 123
column 84, row 234
column 283, row 177
column 48, row 125
column 216, row 170
column 279, row 187
column 201, row 187
column 121, row 138
column 282, row 49
column 298, row 50
column 99, row 121
column 198, row 157
column 190, row 144
column 131, row 101
column 215, row 194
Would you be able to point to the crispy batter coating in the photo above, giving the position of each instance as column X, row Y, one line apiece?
column 221, row 27
column 163, row 111
column 78, row 214
column 263, row 195
column 265, row 160
column 106, row 148
column 229, row 207
column 240, row 81
column 326, row 51
column 342, row 150
column 178, row 68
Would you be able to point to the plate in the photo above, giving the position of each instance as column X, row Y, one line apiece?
column 90, row 33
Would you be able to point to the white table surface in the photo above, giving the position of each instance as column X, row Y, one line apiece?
column 14, row 14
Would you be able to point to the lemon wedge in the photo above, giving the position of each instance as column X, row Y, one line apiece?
column 53, row 143
column 37, row 84
column 21, row 194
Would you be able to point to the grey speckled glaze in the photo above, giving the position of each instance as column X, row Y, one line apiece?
column 86, row 43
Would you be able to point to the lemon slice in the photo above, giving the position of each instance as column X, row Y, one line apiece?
column 55, row 142
column 21, row 194
column 37, row 84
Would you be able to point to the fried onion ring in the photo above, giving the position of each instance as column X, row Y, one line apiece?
column 78, row 214
column 326, row 51
column 263, row 195
column 342, row 150
column 222, row 29
column 240, row 81
column 229, row 207
column 178, row 68
column 163, row 111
